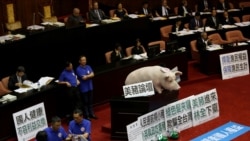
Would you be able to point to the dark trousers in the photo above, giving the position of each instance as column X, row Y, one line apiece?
column 74, row 99
column 87, row 99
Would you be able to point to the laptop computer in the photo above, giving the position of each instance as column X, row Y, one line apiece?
column 153, row 50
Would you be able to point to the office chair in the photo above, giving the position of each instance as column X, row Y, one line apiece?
column 245, row 18
column 237, row 19
column 216, row 39
column 129, row 51
column 165, row 30
column 5, row 82
column 3, row 90
column 235, row 35
column 108, row 57
column 161, row 42
column 194, row 51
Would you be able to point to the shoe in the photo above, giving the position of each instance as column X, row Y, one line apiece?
column 94, row 117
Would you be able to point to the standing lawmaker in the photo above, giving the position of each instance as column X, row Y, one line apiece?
column 85, row 74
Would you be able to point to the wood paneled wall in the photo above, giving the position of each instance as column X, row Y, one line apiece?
column 25, row 9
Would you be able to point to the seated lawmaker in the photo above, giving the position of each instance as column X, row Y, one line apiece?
column 222, row 5
column 204, row 5
column 75, row 18
column 117, row 53
column 138, row 48
column 213, row 21
column 196, row 22
column 96, row 15
column 203, row 42
column 184, row 9
column 121, row 12
column 16, row 80
column 163, row 10
column 145, row 10
column 178, row 26
column 227, row 19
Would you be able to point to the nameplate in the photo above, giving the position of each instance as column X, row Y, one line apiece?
column 141, row 89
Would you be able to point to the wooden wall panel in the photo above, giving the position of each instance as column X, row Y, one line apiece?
column 25, row 9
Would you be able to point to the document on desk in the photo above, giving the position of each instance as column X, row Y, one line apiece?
column 228, row 26
column 22, row 90
column 45, row 80
column 213, row 47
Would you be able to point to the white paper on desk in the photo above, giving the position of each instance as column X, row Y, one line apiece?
column 22, row 90
column 184, row 32
column 219, row 11
column 35, row 27
column 242, row 44
column 213, row 47
column 45, row 80
column 174, row 17
column 157, row 18
column 231, row 10
column 228, row 26
column 10, row 97
column 133, row 16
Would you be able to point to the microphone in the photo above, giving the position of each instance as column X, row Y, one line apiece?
column 34, row 18
column 40, row 14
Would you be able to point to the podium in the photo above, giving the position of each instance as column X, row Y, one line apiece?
column 125, row 111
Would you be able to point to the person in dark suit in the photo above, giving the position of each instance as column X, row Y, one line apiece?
column 227, row 19
column 213, row 21
column 75, row 19
column 96, row 15
column 222, row 5
column 121, row 12
column 204, row 5
column 203, row 42
column 178, row 26
column 117, row 53
column 195, row 22
column 184, row 9
column 145, row 10
column 16, row 80
column 163, row 10
column 138, row 48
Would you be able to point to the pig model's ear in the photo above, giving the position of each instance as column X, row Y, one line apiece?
column 178, row 73
column 165, row 70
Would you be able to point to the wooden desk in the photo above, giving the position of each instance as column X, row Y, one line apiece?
column 109, row 79
column 210, row 60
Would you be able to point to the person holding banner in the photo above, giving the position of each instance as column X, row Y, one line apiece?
column 56, row 132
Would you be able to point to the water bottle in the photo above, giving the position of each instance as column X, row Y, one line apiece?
column 38, row 86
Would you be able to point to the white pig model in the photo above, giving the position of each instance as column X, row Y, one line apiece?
column 162, row 78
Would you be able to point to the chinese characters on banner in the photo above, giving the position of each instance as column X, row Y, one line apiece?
column 234, row 64
column 134, row 131
column 29, row 121
column 205, row 107
column 139, row 89
column 180, row 115
column 152, row 124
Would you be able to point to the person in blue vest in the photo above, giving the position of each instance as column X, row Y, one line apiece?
column 56, row 132
column 79, row 127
